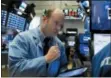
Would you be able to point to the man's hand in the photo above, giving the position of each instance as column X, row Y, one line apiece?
column 53, row 54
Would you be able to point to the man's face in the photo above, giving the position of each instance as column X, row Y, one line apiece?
column 54, row 24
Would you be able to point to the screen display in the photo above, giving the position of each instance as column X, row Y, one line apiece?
column 100, row 15
column 3, row 17
column 84, row 49
column 100, row 41
column 71, row 40
column 71, row 43
column 22, row 8
column 16, row 22
column 84, row 38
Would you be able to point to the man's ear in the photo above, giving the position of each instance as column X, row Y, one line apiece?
column 45, row 20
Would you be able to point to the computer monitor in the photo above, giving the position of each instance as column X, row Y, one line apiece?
column 84, row 49
column 16, row 22
column 71, row 41
column 22, row 8
column 100, row 16
column 100, row 41
column 84, row 38
column 3, row 17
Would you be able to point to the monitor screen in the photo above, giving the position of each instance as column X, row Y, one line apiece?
column 84, row 38
column 100, row 41
column 16, row 22
column 3, row 17
column 84, row 49
column 101, row 15
column 71, row 41
column 22, row 8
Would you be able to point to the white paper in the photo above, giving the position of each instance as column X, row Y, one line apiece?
column 100, row 41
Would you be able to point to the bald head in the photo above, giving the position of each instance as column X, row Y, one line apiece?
column 53, row 21
column 58, row 11
column 54, row 11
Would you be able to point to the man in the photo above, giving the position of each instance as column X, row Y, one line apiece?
column 26, row 52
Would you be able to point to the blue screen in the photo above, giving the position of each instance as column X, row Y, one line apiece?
column 3, row 17
column 84, row 49
column 100, row 16
column 84, row 38
column 15, row 21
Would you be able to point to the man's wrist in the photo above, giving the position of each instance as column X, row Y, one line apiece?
column 47, row 60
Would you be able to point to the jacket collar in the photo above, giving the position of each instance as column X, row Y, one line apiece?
column 38, row 36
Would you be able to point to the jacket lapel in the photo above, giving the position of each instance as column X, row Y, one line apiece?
column 36, row 37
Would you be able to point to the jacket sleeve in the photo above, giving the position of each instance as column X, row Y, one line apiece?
column 63, row 57
column 19, row 64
